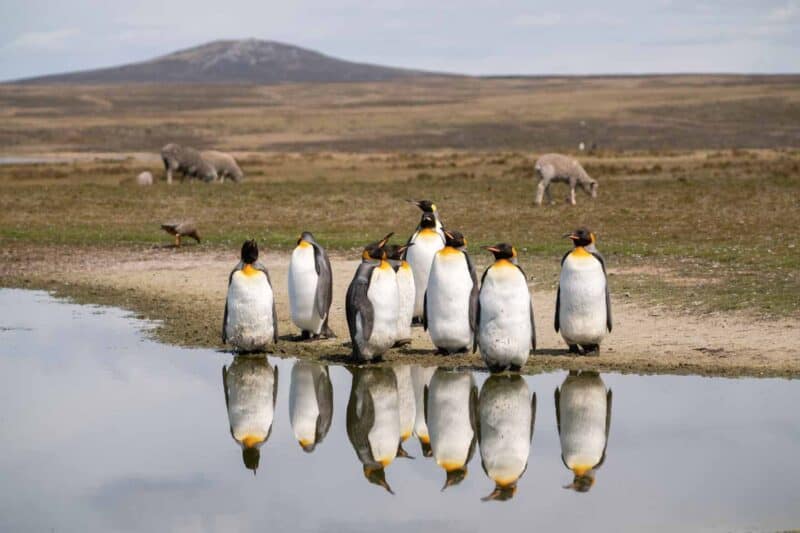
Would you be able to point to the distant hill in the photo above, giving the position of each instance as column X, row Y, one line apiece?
column 243, row 61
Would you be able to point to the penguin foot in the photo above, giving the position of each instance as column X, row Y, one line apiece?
column 442, row 351
column 515, row 368
column 305, row 335
column 496, row 369
column 574, row 348
column 416, row 322
column 591, row 349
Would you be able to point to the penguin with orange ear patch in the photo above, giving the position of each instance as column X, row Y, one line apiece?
column 583, row 303
column 372, row 304
column 249, row 323
column 506, row 329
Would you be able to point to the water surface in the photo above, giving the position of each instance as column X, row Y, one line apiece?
column 104, row 430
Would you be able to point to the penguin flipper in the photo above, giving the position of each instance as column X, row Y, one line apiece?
column 263, row 269
column 533, row 415
column 533, row 329
column 478, row 322
column 324, row 294
column 225, row 315
column 225, row 390
column 274, row 387
column 608, row 426
column 558, row 411
column 473, row 295
column 425, row 311
column 556, row 322
column 474, row 420
column 358, row 303
column 324, row 393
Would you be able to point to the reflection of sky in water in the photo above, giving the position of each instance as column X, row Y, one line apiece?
column 103, row 430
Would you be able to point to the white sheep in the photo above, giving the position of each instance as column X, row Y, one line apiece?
column 561, row 168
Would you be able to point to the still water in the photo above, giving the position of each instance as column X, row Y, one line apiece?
column 104, row 430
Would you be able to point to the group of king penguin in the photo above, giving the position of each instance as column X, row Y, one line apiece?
column 441, row 406
column 431, row 281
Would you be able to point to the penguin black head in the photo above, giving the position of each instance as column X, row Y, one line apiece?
column 249, row 252
column 582, row 483
column 454, row 477
column 395, row 251
column 427, row 206
column 428, row 221
column 375, row 251
column 377, row 476
column 251, row 457
column 501, row 493
column 307, row 237
column 581, row 237
column 454, row 239
column 503, row 250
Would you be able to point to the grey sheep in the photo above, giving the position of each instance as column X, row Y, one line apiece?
column 224, row 164
column 561, row 168
column 187, row 161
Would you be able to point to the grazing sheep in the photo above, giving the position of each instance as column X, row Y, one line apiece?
column 144, row 178
column 561, row 168
column 188, row 162
column 224, row 164
column 181, row 229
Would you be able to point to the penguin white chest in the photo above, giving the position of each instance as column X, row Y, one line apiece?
column 449, row 423
column 582, row 299
column 504, row 332
column 303, row 407
column 420, row 257
column 447, row 300
column 421, row 378
column 384, row 296
column 384, row 436
column 582, row 408
column 407, row 294
column 250, row 408
column 249, row 324
column 407, row 404
column 303, row 282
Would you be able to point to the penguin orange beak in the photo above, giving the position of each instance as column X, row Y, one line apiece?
column 492, row 249
column 383, row 241
column 449, row 235
column 571, row 236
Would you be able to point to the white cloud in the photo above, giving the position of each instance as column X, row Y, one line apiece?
column 43, row 40
column 784, row 14
column 543, row 19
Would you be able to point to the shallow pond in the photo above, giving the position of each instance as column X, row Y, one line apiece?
column 104, row 430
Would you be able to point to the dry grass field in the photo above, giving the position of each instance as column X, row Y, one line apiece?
column 697, row 213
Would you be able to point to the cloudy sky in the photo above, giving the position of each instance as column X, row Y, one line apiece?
column 472, row 36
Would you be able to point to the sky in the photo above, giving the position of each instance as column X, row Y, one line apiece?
column 471, row 37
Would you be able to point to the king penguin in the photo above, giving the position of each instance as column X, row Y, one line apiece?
column 372, row 304
column 251, row 387
column 249, row 323
column 420, row 379
column 583, row 304
column 583, row 415
column 407, row 405
column 506, row 329
column 373, row 421
column 451, row 301
column 507, row 413
column 426, row 242
column 310, row 288
column 427, row 206
column 451, row 411
column 310, row 403
column 405, row 285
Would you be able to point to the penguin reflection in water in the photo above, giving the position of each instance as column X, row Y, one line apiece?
column 506, row 329
column 310, row 403
column 507, row 415
column 373, row 421
column 372, row 304
column 583, row 414
column 420, row 379
column 250, row 384
column 249, row 323
column 406, row 402
column 451, row 411
column 310, row 288
column 583, row 303
column 451, row 301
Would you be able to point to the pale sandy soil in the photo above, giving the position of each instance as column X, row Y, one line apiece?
column 185, row 289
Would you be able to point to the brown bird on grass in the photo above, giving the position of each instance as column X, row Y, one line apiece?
column 181, row 229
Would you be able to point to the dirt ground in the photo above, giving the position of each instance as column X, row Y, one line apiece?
column 185, row 291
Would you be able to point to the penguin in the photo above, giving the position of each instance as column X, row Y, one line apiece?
column 310, row 288
column 451, row 411
column 506, row 329
column 249, row 323
column 427, row 206
column 407, row 404
column 451, row 301
column 426, row 242
column 583, row 416
column 250, row 385
column 405, row 284
column 310, row 403
column 372, row 304
column 507, row 413
column 583, row 303
column 373, row 421
column 420, row 379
